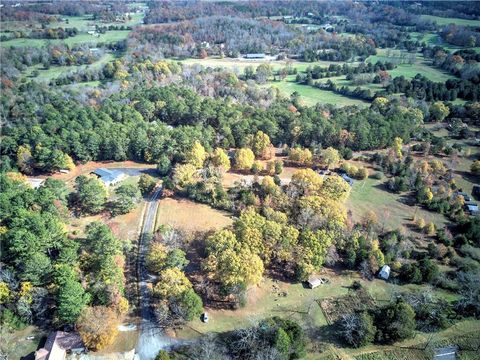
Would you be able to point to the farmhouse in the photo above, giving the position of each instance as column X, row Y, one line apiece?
column 109, row 177
column 58, row 344
column 384, row 272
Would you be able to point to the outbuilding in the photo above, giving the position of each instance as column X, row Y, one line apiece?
column 316, row 282
column 472, row 208
column 384, row 272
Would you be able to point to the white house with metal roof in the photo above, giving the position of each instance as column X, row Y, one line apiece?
column 110, row 176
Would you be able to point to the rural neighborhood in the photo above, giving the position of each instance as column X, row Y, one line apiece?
column 258, row 180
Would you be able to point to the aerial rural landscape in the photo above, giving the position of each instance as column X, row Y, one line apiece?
column 259, row 180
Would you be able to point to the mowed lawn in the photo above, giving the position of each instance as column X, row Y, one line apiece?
column 420, row 66
column 446, row 21
column 56, row 71
column 294, row 301
column 392, row 212
column 108, row 37
column 240, row 63
column 312, row 96
column 190, row 216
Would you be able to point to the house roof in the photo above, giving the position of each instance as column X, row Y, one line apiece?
column 385, row 269
column 57, row 344
column 108, row 175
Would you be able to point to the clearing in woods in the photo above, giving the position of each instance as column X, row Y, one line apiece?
column 190, row 216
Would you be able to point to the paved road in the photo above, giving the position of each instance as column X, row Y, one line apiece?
column 151, row 338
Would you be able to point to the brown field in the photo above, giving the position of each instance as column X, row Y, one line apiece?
column 125, row 227
column 190, row 216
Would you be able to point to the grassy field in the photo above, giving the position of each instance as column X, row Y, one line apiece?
column 420, row 66
column 190, row 216
column 108, row 37
column 446, row 21
column 240, row 64
column 85, row 23
column 16, row 346
column 56, row 71
column 293, row 300
column 435, row 39
column 371, row 195
column 342, row 81
column 311, row 95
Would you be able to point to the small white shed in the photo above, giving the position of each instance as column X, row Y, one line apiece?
column 384, row 272
column 316, row 282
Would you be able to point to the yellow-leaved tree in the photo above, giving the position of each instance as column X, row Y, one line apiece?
column 261, row 145
column 184, row 175
column 244, row 159
column 156, row 257
column 231, row 263
column 335, row 188
column 197, row 155
column 172, row 283
column 97, row 326
column 305, row 182
column 330, row 157
column 220, row 160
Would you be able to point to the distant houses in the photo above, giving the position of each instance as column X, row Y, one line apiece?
column 109, row 176
column 254, row 56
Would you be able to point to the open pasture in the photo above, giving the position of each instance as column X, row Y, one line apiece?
column 311, row 95
column 446, row 21
column 80, row 39
column 392, row 210
column 190, row 216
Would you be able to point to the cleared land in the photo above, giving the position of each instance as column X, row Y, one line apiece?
column 190, row 216
column 446, row 21
column 241, row 63
column 312, row 96
column 391, row 209
column 419, row 66
column 294, row 301
column 108, row 37
column 56, row 71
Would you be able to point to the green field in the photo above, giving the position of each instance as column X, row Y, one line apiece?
column 392, row 212
column 56, row 71
column 446, row 21
column 108, row 37
column 311, row 95
column 84, row 23
column 241, row 64
column 342, row 81
column 420, row 66
column 435, row 39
